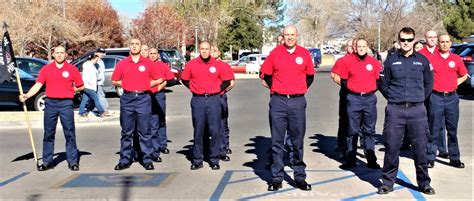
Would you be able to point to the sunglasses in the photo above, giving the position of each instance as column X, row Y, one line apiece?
column 406, row 39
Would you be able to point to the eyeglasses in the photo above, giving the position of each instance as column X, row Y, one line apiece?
column 406, row 39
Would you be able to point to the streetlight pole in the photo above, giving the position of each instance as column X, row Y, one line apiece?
column 196, row 39
column 378, row 38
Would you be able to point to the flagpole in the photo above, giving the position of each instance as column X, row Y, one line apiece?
column 6, row 37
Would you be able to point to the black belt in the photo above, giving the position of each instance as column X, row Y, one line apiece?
column 135, row 92
column 206, row 94
column 288, row 95
column 444, row 93
column 407, row 104
column 362, row 93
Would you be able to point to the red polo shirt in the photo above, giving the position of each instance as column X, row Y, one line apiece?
column 60, row 82
column 166, row 71
column 288, row 70
column 361, row 75
column 205, row 77
column 430, row 56
column 136, row 76
column 227, row 71
column 340, row 64
column 446, row 72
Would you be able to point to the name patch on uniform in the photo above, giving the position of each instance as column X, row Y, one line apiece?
column 416, row 63
column 451, row 64
column 141, row 68
column 397, row 63
column 299, row 60
column 65, row 74
column 369, row 67
column 212, row 69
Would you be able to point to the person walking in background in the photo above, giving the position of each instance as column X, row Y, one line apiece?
column 89, row 76
column 100, row 52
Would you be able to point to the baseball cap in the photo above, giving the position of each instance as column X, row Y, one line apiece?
column 101, row 50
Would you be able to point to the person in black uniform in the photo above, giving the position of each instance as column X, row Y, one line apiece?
column 406, row 81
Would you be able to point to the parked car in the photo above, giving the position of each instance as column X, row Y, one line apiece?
column 175, row 58
column 466, row 53
column 467, row 87
column 329, row 50
column 251, row 62
column 456, row 47
column 30, row 65
column 316, row 55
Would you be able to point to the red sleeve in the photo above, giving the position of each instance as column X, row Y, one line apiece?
column 462, row 70
column 77, row 77
column 344, row 69
column 42, row 75
column 186, row 75
column 117, row 74
column 337, row 66
column 267, row 66
column 227, row 73
column 378, row 69
column 309, row 65
column 155, row 71
column 166, row 71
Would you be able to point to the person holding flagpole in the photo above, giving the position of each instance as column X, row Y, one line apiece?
column 62, row 80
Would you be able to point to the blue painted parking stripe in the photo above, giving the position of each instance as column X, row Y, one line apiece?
column 220, row 187
column 291, row 189
column 416, row 194
column 3, row 183
column 368, row 194
column 242, row 180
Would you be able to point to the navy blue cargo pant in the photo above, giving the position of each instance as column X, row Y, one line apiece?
column 444, row 110
column 206, row 112
column 343, row 120
column 410, row 121
column 135, row 116
column 62, row 108
column 287, row 114
column 362, row 116
column 224, row 126
column 159, row 139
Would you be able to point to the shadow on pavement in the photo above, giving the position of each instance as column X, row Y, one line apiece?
column 127, row 183
column 327, row 144
column 187, row 151
column 59, row 157
column 260, row 146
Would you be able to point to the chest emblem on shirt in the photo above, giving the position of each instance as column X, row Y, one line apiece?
column 397, row 63
column 141, row 68
column 299, row 60
column 212, row 69
column 65, row 74
column 451, row 64
column 369, row 67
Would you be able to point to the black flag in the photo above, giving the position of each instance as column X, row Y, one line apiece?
column 7, row 59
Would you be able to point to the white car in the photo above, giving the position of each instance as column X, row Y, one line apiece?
column 329, row 50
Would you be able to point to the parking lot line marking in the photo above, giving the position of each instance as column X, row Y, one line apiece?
column 222, row 184
column 369, row 194
column 242, row 180
column 293, row 188
column 416, row 194
column 3, row 183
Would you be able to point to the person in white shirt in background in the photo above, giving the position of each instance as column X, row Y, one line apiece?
column 89, row 76
column 100, row 82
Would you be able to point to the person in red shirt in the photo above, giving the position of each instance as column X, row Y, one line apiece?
column 224, row 146
column 159, row 138
column 448, row 72
column 206, row 79
column 335, row 76
column 361, row 73
column 288, row 72
column 136, row 75
column 62, row 80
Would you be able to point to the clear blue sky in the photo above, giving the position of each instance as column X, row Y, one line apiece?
column 130, row 8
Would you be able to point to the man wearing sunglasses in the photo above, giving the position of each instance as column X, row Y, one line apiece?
column 405, row 81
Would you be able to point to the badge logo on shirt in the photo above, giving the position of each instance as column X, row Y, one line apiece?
column 299, row 60
column 141, row 68
column 451, row 64
column 369, row 67
column 65, row 74
column 212, row 69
